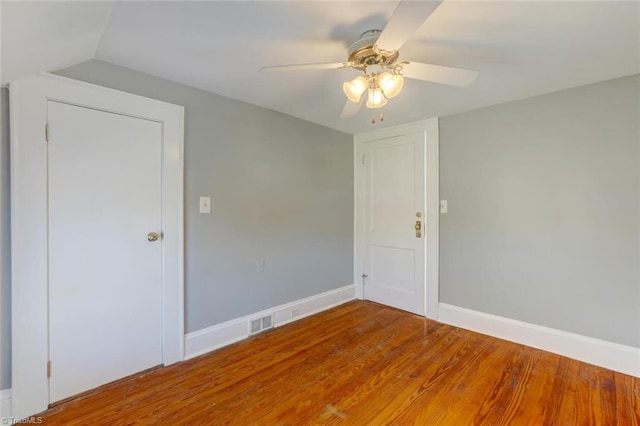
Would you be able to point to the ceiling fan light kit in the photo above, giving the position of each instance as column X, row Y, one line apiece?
column 380, row 87
column 375, row 54
column 391, row 84
column 376, row 98
column 355, row 88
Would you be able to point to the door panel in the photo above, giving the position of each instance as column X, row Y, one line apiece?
column 392, row 187
column 394, row 197
column 104, row 275
column 393, row 268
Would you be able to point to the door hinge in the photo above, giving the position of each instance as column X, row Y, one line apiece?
column 48, row 368
column 46, row 132
column 363, row 160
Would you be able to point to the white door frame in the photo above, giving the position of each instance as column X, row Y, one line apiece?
column 29, row 218
column 432, row 216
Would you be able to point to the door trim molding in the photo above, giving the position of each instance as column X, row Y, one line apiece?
column 432, row 215
column 5, row 403
column 29, row 232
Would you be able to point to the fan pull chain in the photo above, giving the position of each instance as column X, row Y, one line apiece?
column 373, row 118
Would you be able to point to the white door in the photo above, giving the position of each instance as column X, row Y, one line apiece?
column 105, row 301
column 394, row 258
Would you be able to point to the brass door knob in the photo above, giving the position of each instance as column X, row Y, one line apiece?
column 153, row 236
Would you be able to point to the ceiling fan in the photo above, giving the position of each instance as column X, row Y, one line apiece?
column 376, row 54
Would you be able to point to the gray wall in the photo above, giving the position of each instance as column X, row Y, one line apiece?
column 5, row 243
column 281, row 190
column 543, row 222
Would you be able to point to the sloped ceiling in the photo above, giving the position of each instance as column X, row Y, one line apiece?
column 520, row 48
column 49, row 35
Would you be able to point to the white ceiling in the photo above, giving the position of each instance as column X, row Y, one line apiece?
column 520, row 48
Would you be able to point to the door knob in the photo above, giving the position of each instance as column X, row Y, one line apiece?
column 153, row 236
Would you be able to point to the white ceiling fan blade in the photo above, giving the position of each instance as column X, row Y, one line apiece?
column 307, row 67
column 351, row 108
column 405, row 21
column 439, row 74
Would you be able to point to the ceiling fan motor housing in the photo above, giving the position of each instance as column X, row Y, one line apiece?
column 362, row 53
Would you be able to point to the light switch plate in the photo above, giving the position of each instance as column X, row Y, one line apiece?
column 443, row 206
column 205, row 204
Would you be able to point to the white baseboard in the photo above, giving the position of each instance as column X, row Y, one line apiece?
column 613, row 356
column 214, row 337
column 5, row 404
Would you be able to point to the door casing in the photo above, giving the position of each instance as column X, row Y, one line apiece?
column 29, row 232
column 429, row 129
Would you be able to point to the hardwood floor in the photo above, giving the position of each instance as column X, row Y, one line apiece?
column 365, row 364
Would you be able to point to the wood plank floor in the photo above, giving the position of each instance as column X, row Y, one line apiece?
column 365, row 364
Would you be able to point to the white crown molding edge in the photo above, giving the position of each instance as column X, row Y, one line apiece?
column 217, row 336
column 613, row 356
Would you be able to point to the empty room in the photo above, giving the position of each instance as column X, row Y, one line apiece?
column 320, row 212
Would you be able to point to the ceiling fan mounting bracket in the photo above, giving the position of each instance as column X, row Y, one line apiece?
column 364, row 52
